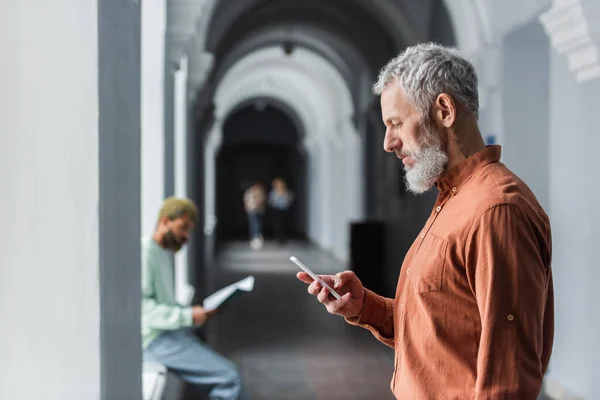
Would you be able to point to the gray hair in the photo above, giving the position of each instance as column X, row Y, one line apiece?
column 425, row 71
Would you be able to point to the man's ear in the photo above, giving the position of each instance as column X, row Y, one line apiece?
column 445, row 110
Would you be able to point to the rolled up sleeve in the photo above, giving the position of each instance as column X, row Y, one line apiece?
column 508, row 266
column 377, row 316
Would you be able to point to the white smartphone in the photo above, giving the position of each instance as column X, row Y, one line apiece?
column 315, row 277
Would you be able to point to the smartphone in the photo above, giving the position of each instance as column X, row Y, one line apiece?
column 315, row 277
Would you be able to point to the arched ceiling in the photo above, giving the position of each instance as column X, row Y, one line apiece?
column 349, row 62
column 234, row 20
column 261, row 102
column 303, row 80
column 385, row 26
column 261, row 123
column 357, row 37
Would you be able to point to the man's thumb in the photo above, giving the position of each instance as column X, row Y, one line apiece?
column 341, row 278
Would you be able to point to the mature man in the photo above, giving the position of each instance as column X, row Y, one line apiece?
column 166, row 326
column 473, row 312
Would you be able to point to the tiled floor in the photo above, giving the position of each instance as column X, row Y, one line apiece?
column 286, row 344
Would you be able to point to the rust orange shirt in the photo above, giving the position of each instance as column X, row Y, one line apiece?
column 473, row 316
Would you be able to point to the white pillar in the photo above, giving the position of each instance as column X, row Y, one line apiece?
column 212, row 147
column 152, row 111
column 339, row 202
column 313, row 188
column 182, row 288
column 354, row 173
column 325, row 175
column 49, row 176
column 489, row 65
column 68, row 123
column 572, row 27
column 182, row 19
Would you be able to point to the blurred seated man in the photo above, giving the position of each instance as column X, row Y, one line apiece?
column 167, row 335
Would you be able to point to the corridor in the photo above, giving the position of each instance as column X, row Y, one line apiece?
column 109, row 107
column 285, row 342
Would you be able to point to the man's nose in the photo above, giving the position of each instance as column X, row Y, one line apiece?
column 390, row 142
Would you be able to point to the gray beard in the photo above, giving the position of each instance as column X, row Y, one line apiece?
column 429, row 164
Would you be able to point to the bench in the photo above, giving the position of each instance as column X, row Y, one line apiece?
column 154, row 379
column 154, row 374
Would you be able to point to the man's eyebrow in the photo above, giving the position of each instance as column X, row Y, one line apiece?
column 394, row 117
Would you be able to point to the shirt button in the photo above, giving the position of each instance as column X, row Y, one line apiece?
column 510, row 317
column 408, row 270
column 422, row 235
column 454, row 189
column 438, row 208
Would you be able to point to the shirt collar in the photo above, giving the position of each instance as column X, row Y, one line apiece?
column 460, row 174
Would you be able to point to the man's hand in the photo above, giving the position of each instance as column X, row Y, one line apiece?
column 345, row 283
column 201, row 315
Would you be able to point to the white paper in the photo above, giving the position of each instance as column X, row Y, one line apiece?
column 216, row 299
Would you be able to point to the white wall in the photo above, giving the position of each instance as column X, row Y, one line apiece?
column 152, row 112
column 575, row 217
column 551, row 139
column 526, row 80
column 49, row 277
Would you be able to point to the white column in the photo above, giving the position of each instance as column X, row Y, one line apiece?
column 572, row 27
column 325, row 174
column 212, row 146
column 354, row 172
column 339, row 201
column 49, row 174
column 182, row 17
column 489, row 65
column 152, row 111
column 312, row 187
column 183, row 290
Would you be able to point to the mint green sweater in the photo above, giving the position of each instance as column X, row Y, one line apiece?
column 160, row 311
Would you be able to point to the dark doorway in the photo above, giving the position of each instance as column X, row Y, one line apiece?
column 259, row 144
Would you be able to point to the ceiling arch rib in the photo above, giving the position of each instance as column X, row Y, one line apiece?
column 306, row 115
column 319, row 110
column 297, row 93
column 191, row 20
column 341, row 54
column 386, row 16
column 308, row 99
column 472, row 33
column 305, row 63
column 330, row 90
column 286, row 108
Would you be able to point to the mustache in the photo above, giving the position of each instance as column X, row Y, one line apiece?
column 402, row 154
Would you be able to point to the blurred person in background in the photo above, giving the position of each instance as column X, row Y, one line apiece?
column 280, row 199
column 254, row 204
column 473, row 315
column 167, row 335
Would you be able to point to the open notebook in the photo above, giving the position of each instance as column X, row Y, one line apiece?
column 226, row 294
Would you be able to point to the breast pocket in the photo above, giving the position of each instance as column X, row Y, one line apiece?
column 428, row 269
